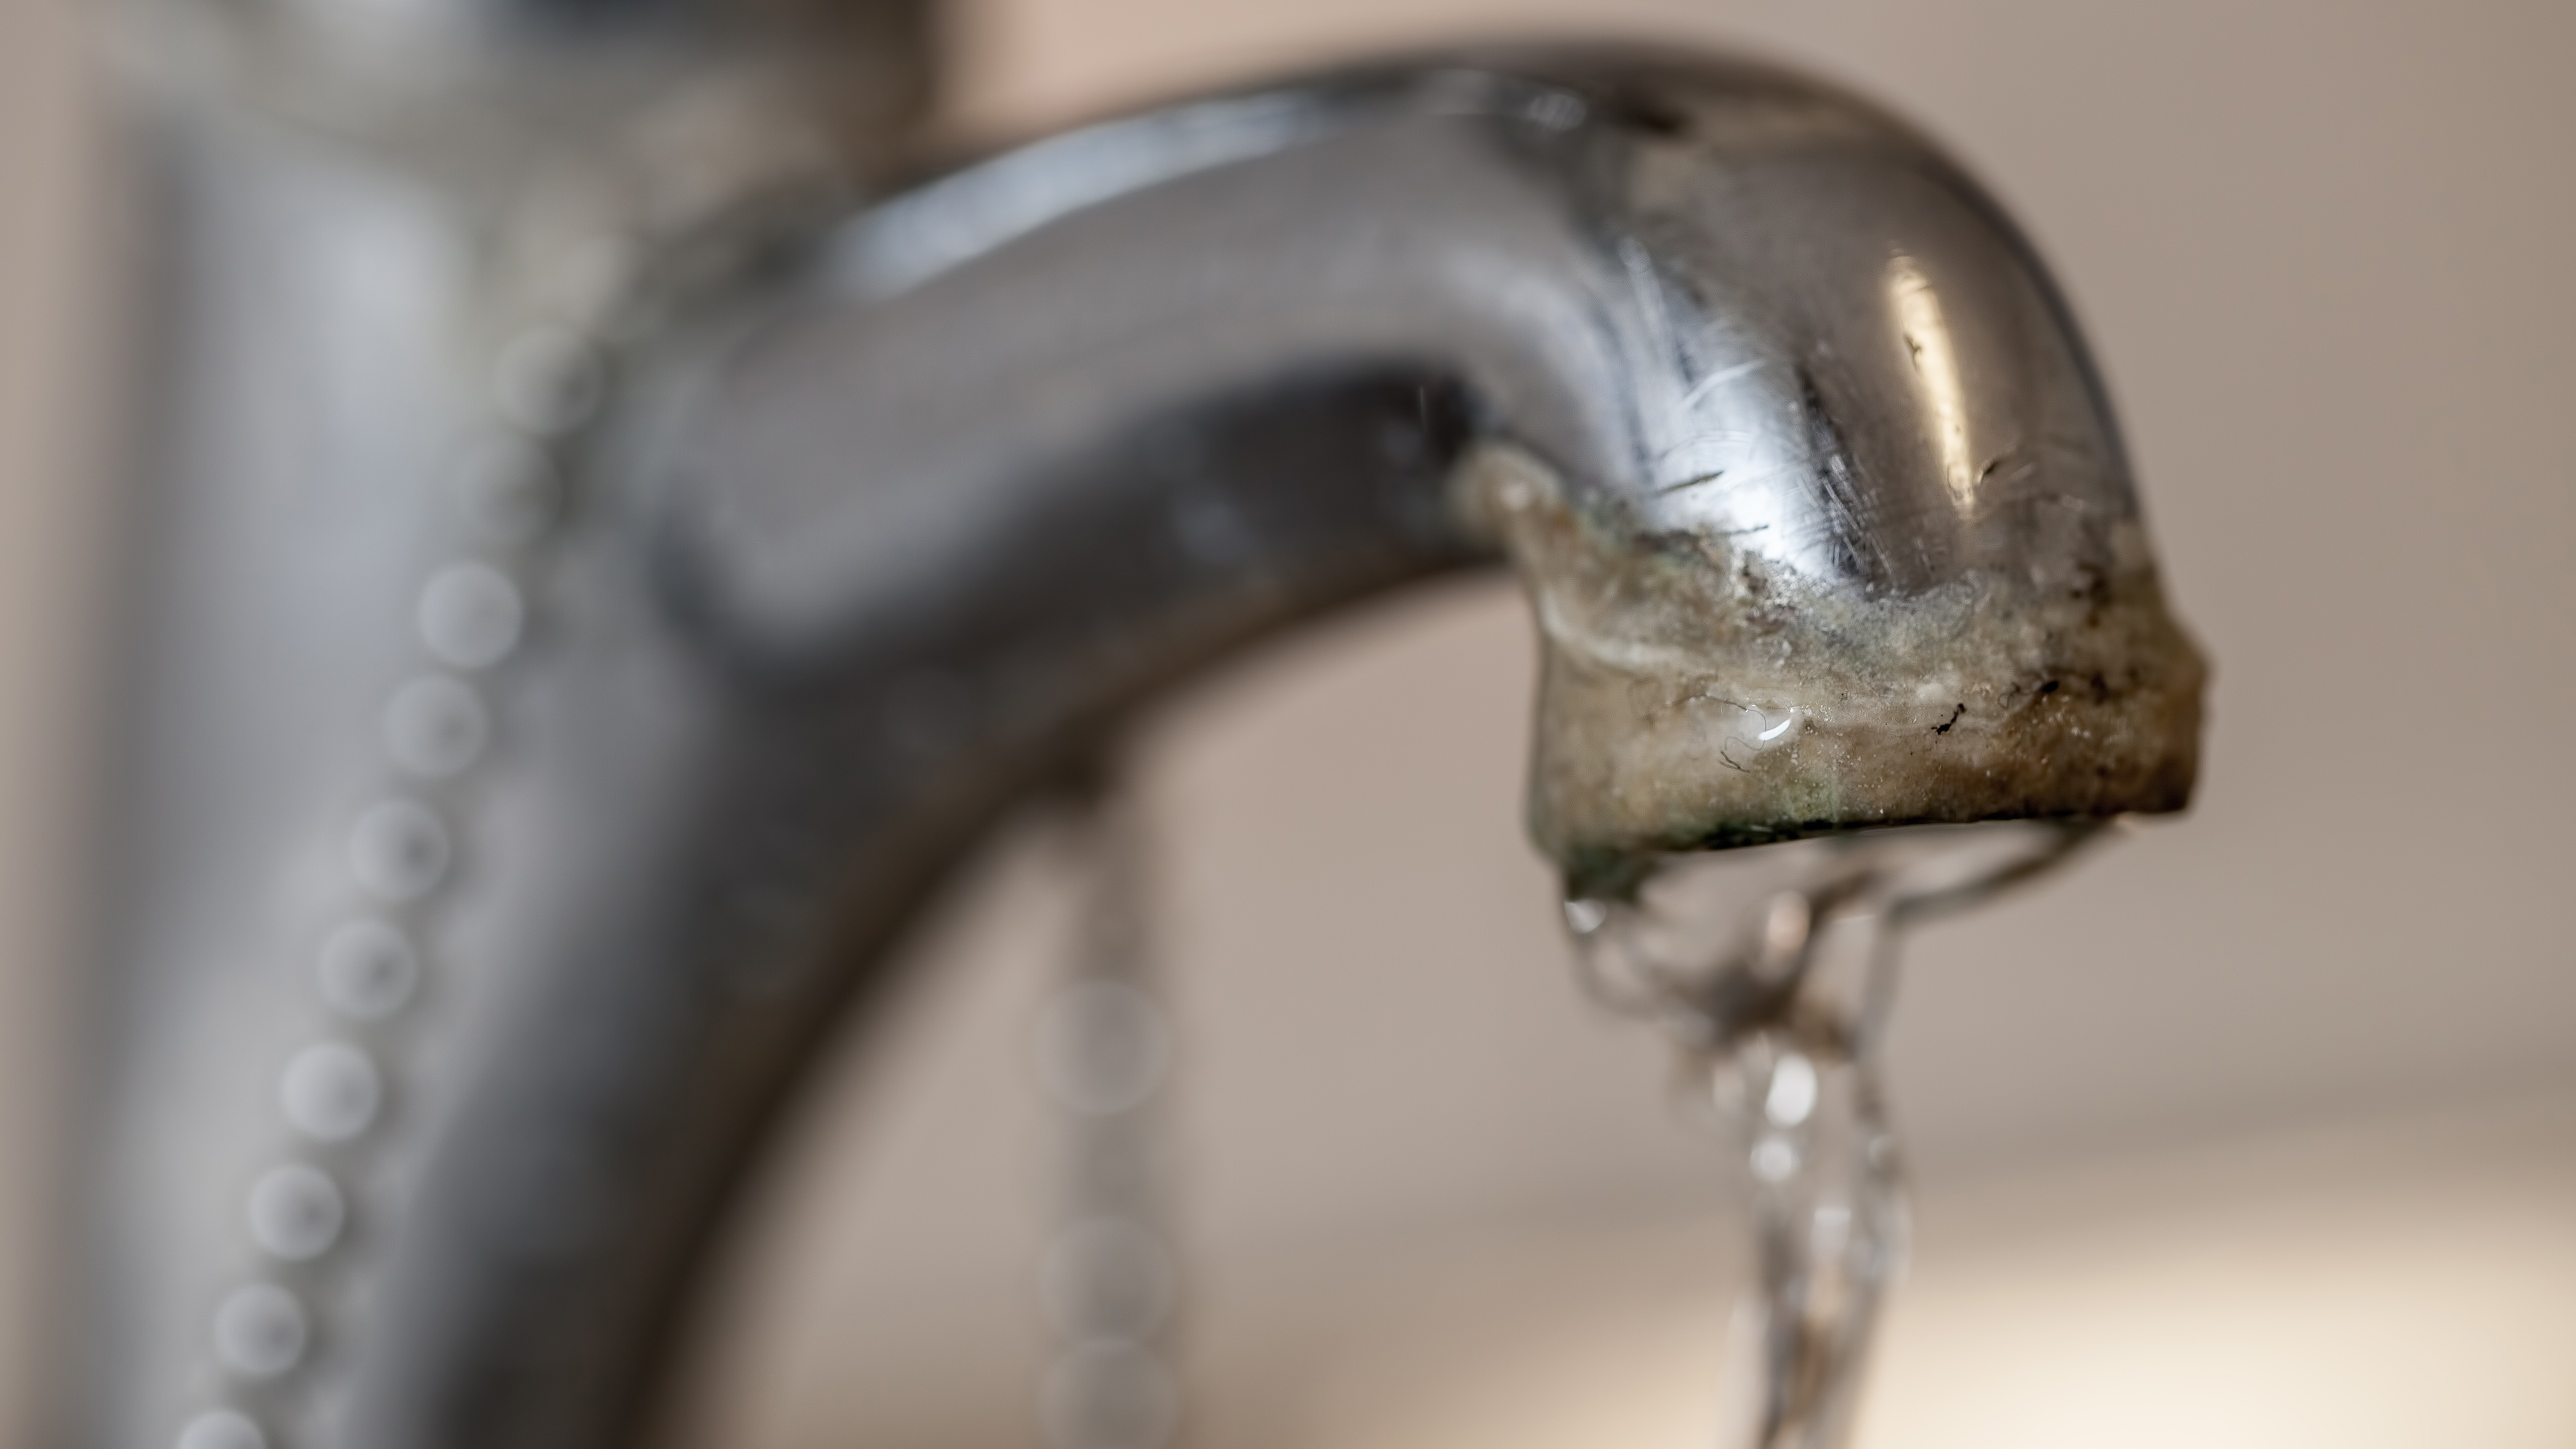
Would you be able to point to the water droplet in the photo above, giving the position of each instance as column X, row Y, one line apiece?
column 436, row 726
column 260, row 1330
column 470, row 616
column 296, row 1212
column 1585, row 917
column 398, row 851
column 368, row 970
column 1758, row 730
column 221, row 1429
column 1793, row 1091
column 331, row 1092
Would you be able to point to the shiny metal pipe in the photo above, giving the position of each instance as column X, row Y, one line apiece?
column 580, row 624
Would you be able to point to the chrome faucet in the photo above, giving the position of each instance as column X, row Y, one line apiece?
column 617, row 520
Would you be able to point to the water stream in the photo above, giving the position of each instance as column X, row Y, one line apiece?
column 1773, row 973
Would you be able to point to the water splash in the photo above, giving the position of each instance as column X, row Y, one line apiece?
column 1774, row 974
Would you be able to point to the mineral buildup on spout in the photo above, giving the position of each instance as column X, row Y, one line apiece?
column 1695, row 697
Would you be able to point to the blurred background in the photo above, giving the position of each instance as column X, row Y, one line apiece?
column 2258, row 1129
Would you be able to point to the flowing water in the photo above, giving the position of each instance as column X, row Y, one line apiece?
column 1773, row 973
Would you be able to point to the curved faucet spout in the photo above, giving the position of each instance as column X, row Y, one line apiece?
column 1822, row 509
column 536, row 845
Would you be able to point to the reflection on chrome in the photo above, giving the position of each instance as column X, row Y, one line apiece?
column 1928, row 346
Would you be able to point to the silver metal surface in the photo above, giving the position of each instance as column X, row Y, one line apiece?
column 590, row 592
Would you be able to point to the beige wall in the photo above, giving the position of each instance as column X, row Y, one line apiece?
column 50, row 536
column 2321, row 250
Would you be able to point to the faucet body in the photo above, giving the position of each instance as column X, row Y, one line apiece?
column 572, row 642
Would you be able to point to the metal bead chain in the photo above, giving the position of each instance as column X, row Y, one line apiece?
column 469, row 616
column 1108, row 1281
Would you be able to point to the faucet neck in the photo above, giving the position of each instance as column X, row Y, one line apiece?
column 490, row 97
